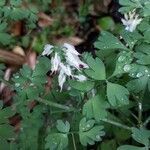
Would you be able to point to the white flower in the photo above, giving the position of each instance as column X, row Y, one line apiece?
column 47, row 49
column 61, row 79
column 72, row 57
column 80, row 77
column 74, row 60
column 66, row 69
column 131, row 20
column 70, row 48
column 55, row 61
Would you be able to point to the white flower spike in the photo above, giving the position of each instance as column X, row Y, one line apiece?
column 70, row 62
column 55, row 61
column 47, row 49
column 131, row 20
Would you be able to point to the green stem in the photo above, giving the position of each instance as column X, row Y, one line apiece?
column 126, row 117
column 146, row 121
column 73, row 140
column 110, row 77
column 62, row 111
column 133, row 115
column 53, row 104
column 140, row 113
column 116, row 124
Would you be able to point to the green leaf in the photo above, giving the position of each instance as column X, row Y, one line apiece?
column 56, row 141
column 26, row 71
column 141, row 135
column 129, row 5
column 144, row 25
column 18, row 14
column 146, row 9
column 90, row 133
column 130, row 147
column 15, row 2
column 63, row 127
column 106, row 145
column 117, row 95
column 121, row 135
column 42, row 67
column 123, row 63
column 29, row 83
column 95, row 108
column 137, row 85
column 5, row 114
column 131, row 37
column 106, row 23
column 6, row 131
column 142, row 58
column 96, row 70
column 3, row 26
column 5, row 38
column 81, row 86
column 32, row 92
column 108, row 41
column 143, row 54
column 2, row 2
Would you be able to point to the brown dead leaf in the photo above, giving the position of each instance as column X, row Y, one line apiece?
column 31, row 59
column 11, row 58
column 16, row 28
column 18, row 50
column 44, row 20
column 74, row 40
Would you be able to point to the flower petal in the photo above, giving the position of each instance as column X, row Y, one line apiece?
column 70, row 48
column 74, row 60
column 131, row 20
column 47, row 49
column 66, row 69
column 61, row 79
column 55, row 61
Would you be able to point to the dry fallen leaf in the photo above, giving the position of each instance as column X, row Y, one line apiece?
column 16, row 28
column 74, row 40
column 44, row 20
column 18, row 50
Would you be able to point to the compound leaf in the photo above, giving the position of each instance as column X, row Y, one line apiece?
column 96, row 70
column 95, row 108
column 56, row 141
column 89, row 133
column 106, row 38
column 63, row 127
column 117, row 95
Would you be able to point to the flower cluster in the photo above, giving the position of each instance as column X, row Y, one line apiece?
column 131, row 20
column 65, row 62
